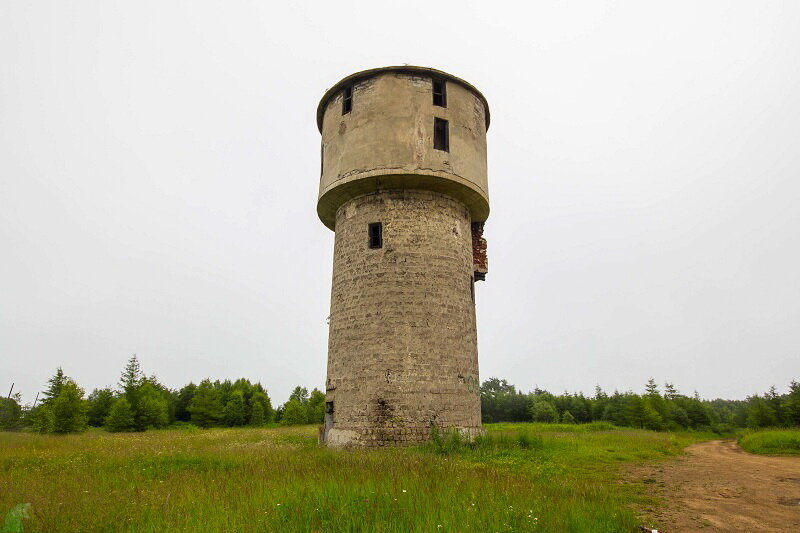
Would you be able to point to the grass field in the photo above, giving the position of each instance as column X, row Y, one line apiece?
column 529, row 477
column 772, row 442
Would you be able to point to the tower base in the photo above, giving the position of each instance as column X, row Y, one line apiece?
column 382, row 437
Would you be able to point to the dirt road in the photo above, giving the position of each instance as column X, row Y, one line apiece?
column 718, row 487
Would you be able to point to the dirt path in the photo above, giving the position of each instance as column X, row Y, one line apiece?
column 718, row 487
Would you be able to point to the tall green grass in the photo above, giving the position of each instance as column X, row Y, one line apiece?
column 528, row 477
column 772, row 442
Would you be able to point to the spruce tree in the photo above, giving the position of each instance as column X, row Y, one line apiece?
column 235, row 413
column 130, row 381
column 261, row 397
column 760, row 414
column 776, row 404
column 670, row 392
column 182, row 404
column 205, row 407
column 69, row 409
column 567, row 418
column 100, row 402
column 152, row 409
column 793, row 404
column 120, row 417
column 54, row 386
column 42, row 419
column 257, row 415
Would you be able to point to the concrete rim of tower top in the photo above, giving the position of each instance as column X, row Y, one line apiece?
column 428, row 71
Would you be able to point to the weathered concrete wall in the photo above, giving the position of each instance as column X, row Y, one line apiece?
column 386, row 141
column 402, row 350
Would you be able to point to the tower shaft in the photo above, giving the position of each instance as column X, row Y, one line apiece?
column 402, row 353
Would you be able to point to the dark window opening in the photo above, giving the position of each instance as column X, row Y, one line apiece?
column 376, row 235
column 441, row 134
column 439, row 93
column 328, row 407
column 472, row 288
column 347, row 100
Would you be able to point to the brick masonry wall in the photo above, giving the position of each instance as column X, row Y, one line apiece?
column 479, row 260
column 402, row 352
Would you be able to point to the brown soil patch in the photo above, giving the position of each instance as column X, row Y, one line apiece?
column 718, row 487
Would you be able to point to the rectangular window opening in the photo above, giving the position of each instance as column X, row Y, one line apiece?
column 441, row 134
column 376, row 235
column 472, row 288
column 439, row 93
column 347, row 100
column 329, row 407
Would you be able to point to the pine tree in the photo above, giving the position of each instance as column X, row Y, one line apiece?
column 55, row 385
column 152, row 409
column 635, row 411
column 677, row 415
column 760, row 414
column 773, row 399
column 100, row 402
column 651, row 388
column 651, row 419
column 42, row 419
column 793, row 404
column 261, row 397
column 670, row 392
column 182, row 404
column 130, row 381
column 257, row 415
column 69, row 409
column 120, row 417
column 234, row 413
column 205, row 407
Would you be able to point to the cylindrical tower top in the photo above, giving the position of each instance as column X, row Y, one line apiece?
column 403, row 127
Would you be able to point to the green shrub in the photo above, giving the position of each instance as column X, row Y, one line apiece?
column 776, row 442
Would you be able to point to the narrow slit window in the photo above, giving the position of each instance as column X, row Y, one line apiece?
column 441, row 134
column 329, row 408
column 376, row 235
column 439, row 93
column 347, row 100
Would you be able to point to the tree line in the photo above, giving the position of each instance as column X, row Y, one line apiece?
column 654, row 409
column 140, row 403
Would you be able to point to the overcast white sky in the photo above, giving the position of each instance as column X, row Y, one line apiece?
column 159, row 170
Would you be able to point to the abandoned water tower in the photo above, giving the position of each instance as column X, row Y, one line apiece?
column 404, row 186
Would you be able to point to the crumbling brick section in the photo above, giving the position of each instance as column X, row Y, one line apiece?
column 480, row 262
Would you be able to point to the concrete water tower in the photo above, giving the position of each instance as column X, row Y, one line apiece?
column 403, row 184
